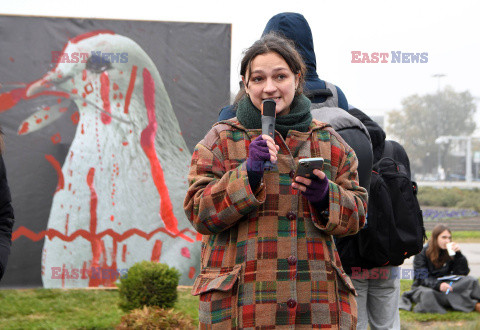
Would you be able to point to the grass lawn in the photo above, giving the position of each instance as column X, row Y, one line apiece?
column 463, row 236
column 62, row 309
column 450, row 320
column 67, row 309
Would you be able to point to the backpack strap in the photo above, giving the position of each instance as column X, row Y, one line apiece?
column 330, row 92
column 387, row 149
column 388, row 152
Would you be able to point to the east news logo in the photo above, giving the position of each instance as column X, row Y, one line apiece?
column 396, row 57
column 95, row 56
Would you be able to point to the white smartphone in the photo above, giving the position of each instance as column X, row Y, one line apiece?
column 307, row 165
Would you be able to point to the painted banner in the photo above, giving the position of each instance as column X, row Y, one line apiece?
column 100, row 118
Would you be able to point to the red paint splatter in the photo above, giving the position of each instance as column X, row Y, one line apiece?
column 124, row 252
column 83, row 130
column 84, row 104
column 23, row 129
column 89, row 35
column 88, row 88
column 58, row 169
column 147, row 140
column 56, row 138
column 95, row 241
column 181, row 149
column 98, row 246
column 131, row 85
column 11, row 59
column 105, row 94
column 114, row 96
column 185, row 252
column 74, row 91
column 38, row 121
column 66, row 224
column 120, row 96
column 112, row 218
column 75, row 117
column 64, row 271
column 125, row 143
column 199, row 237
column 84, row 75
column 10, row 99
column 59, row 101
column 46, row 108
column 62, row 110
column 51, row 233
column 84, row 273
column 156, row 251
column 191, row 273
column 115, row 87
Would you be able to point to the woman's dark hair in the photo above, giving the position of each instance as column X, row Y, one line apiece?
column 273, row 42
column 436, row 255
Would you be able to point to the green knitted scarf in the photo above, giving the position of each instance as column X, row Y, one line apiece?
column 299, row 118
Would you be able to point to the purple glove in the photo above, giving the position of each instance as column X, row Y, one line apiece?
column 317, row 191
column 258, row 154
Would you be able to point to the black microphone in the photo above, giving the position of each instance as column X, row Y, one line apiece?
column 268, row 123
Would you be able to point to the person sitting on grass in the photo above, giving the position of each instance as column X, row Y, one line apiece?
column 441, row 279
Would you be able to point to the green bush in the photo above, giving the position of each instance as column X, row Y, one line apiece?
column 450, row 197
column 148, row 284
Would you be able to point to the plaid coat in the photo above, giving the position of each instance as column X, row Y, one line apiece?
column 268, row 257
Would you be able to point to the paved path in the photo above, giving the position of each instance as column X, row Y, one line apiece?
column 456, row 224
column 469, row 250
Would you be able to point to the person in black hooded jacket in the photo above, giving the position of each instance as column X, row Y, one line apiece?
column 377, row 299
column 6, row 215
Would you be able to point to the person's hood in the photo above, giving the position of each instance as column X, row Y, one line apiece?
column 295, row 27
column 377, row 134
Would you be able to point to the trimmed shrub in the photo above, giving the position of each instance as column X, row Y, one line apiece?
column 450, row 197
column 148, row 284
column 155, row 318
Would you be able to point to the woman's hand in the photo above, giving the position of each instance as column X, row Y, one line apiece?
column 455, row 247
column 263, row 148
column 445, row 286
column 314, row 190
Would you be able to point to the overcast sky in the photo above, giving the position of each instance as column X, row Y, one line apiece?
column 447, row 30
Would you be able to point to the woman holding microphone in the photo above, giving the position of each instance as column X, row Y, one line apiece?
column 268, row 256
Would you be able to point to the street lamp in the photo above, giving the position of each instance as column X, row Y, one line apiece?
column 438, row 76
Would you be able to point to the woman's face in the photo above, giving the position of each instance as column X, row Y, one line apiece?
column 271, row 78
column 444, row 238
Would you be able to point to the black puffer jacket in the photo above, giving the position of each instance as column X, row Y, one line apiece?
column 6, row 218
column 348, row 246
column 426, row 274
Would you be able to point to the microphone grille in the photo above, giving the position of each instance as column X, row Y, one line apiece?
column 268, row 107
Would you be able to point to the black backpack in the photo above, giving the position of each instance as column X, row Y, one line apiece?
column 394, row 230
